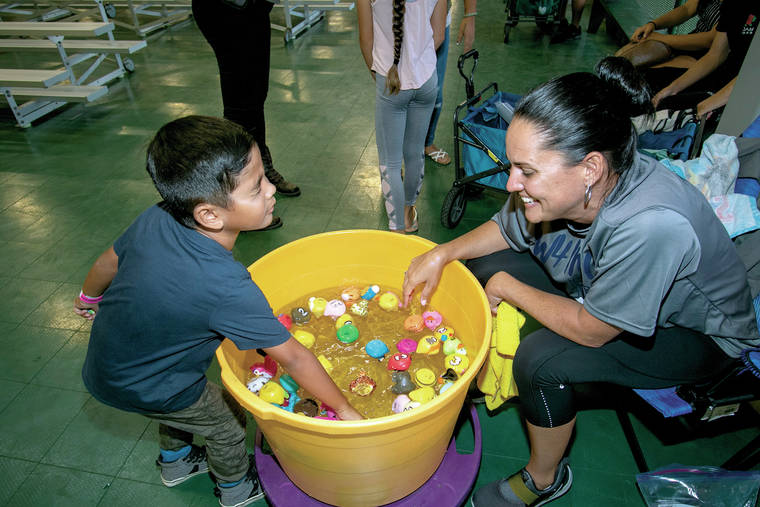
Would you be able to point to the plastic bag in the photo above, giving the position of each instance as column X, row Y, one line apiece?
column 680, row 485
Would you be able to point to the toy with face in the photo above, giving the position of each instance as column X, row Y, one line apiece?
column 444, row 333
column 388, row 302
column 414, row 323
column 399, row 362
column 457, row 362
column 335, row 308
column 350, row 296
column 432, row 319
column 428, row 345
column 317, row 306
column 300, row 315
column 400, row 403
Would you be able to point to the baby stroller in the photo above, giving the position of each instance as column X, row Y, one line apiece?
column 546, row 13
column 480, row 159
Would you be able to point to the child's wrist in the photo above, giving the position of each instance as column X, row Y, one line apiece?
column 84, row 298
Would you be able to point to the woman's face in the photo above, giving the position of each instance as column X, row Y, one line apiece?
column 548, row 187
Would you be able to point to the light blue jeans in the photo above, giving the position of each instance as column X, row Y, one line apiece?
column 442, row 54
column 401, row 122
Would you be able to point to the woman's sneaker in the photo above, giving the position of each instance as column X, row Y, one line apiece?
column 244, row 492
column 519, row 490
column 177, row 472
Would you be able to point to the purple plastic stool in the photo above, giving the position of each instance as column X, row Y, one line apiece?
column 449, row 486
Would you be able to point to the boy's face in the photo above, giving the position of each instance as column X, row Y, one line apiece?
column 252, row 202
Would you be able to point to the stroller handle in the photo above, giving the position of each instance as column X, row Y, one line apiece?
column 469, row 85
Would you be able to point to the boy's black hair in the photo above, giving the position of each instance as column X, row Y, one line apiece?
column 197, row 159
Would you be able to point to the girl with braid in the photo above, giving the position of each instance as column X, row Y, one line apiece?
column 398, row 40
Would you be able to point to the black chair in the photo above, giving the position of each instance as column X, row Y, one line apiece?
column 703, row 410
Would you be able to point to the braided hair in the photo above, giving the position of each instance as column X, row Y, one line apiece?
column 392, row 81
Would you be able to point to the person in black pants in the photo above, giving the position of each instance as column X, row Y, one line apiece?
column 240, row 35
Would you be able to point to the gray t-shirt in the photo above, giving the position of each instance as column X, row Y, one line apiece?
column 656, row 255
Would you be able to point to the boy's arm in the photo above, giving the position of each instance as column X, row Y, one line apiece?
column 97, row 281
column 301, row 364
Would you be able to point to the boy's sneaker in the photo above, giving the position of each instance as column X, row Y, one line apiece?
column 177, row 472
column 565, row 32
column 247, row 491
column 519, row 490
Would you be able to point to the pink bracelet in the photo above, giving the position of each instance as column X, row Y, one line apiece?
column 87, row 299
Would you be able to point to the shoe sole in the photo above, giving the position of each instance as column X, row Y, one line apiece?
column 175, row 482
column 561, row 491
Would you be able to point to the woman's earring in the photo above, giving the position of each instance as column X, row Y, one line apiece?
column 587, row 196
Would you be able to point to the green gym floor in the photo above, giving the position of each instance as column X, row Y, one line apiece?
column 74, row 181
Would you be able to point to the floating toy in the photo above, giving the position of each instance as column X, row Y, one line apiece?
column 268, row 367
column 450, row 375
column 450, row 346
column 305, row 338
column 288, row 383
column 360, row 307
column 348, row 333
column 428, row 345
column 307, row 407
column 317, row 306
column 362, row 385
column 414, row 323
column 300, row 315
column 388, row 301
column 255, row 384
column 342, row 320
column 457, row 362
column 335, row 308
column 273, row 393
column 407, row 346
column 445, row 387
column 399, row 362
column 376, row 348
column 402, row 382
column 325, row 412
column 444, row 333
column 370, row 292
column 422, row 395
column 326, row 364
column 285, row 320
column 350, row 296
column 425, row 377
column 292, row 400
column 432, row 319
column 400, row 403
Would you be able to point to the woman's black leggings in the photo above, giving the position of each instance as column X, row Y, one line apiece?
column 547, row 366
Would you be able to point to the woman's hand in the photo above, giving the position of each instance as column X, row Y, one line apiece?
column 427, row 269
column 85, row 310
column 642, row 32
column 496, row 289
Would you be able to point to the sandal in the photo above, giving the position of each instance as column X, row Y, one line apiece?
column 415, row 226
column 439, row 156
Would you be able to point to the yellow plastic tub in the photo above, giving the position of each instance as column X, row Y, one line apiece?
column 376, row 461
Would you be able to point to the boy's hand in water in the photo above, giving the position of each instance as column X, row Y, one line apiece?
column 348, row 413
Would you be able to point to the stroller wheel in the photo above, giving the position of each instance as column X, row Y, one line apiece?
column 507, row 28
column 453, row 207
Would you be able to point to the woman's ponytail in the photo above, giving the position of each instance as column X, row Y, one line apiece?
column 392, row 81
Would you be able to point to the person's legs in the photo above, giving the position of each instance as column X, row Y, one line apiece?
column 572, row 30
column 390, row 122
column 417, row 117
column 431, row 150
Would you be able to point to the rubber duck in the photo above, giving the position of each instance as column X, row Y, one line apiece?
column 428, row 345
column 288, row 383
column 300, row 315
column 305, row 338
column 360, row 307
column 350, row 295
column 457, row 362
column 399, row 362
column 370, row 292
column 450, row 346
column 388, row 301
column 362, row 385
column 285, row 320
column 335, row 308
column 307, row 407
column 400, row 403
column 425, row 377
column 273, row 393
column 317, row 305
column 414, row 323
column 343, row 320
column 444, row 333
column 450, row 375
column 348, row 333
column 422, row 395
column 376, row 348
column 432, row 319
column 402, row 382
column 326, row 364
column 406, row 346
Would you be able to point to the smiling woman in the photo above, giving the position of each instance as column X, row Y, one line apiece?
column 628, row 266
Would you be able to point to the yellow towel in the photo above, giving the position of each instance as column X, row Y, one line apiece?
column 495, row 379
